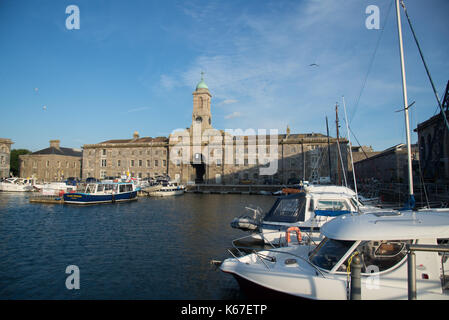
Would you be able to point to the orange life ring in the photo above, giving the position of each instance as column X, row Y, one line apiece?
column 298, row 234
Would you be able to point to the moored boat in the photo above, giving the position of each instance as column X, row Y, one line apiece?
column 380, row 239
column 96, row 193
column 168, row 189
column 307, row 210
column 17, row 184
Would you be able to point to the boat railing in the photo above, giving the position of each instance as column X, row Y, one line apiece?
column 262, row 257
column 240, row 249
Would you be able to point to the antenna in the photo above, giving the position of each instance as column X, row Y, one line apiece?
column 350, row 152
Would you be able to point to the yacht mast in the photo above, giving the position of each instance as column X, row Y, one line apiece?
column 411, row 200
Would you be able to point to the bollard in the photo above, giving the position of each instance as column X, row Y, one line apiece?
column 411, row 268
column 356, row 283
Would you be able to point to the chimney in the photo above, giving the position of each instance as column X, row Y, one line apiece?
column 54, row 144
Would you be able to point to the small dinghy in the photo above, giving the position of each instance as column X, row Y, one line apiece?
column 248, row 222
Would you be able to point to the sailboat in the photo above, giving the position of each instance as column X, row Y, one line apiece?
column 381, row 239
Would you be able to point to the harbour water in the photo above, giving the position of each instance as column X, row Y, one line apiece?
column 147, row 249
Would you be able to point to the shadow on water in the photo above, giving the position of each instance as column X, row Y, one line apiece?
column 149, row 249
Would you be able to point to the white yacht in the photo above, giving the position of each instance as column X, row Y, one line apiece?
column 307, row 210
column 166, row 189
column 379, row 238
column 55, row 188
column 17, row 184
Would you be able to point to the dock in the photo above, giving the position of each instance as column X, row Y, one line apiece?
column 47, row 199
column 263, row 189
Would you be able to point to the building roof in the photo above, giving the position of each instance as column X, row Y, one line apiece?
column 139, row 140
column 59, row 151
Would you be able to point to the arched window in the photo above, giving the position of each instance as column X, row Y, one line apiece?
column 422, row 147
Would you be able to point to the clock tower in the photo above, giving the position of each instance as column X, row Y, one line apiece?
column 201, row 116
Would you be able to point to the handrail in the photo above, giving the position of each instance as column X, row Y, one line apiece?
column 411, row 263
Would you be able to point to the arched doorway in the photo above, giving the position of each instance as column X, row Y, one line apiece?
column 200, row 168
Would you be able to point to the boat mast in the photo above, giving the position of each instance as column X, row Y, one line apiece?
column 328, row 150
column 350, row 152
column 411, row 200
column 338, row 146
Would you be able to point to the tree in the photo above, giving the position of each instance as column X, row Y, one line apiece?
column 14, row 162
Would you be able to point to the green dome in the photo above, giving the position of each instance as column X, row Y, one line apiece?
column 202, row 84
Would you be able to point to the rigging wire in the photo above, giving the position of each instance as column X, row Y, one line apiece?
column 371, row 63
column 425, row 66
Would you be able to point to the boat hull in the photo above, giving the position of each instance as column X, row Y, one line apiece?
column 85, row 198
column 166, row 193
column 15, row 188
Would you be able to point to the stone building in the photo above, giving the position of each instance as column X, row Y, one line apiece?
column 5, row 157
column 387, row 166
column 202, row 154
column 433, row 139
column 141, row 157
column 54, row 163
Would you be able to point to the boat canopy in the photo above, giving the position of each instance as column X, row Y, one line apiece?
column 288, row 209
column 381, row 225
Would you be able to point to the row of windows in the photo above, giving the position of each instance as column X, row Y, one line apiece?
column 133, row 163
column 104, row 174
column 58, row 164
column 217, row 150
column 133, row 152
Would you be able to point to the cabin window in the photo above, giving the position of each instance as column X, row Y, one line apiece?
column 122, row 188
column 332, row 205
column 100, row 188
column 329, row 252
column 383, row 254
column 288, row 210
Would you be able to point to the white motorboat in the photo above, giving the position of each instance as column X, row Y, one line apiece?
column 307, row 211
column 17, row 184
column 168, row 189
column 379, row 238
column 55, row 188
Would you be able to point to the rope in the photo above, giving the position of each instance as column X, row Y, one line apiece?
column 348, row 271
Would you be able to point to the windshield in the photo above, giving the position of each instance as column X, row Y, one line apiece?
column 327, row 254
column 291, row 209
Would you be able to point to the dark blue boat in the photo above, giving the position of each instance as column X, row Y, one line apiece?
column 96, row 193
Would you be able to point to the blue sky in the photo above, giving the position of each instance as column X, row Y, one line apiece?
column 133, row 65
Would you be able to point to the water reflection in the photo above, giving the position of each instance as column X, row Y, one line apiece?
column 148, row 249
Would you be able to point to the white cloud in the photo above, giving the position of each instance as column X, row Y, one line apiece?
column 233, row 115
column 227, row 101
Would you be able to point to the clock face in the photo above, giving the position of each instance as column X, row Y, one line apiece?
column 199, row 119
